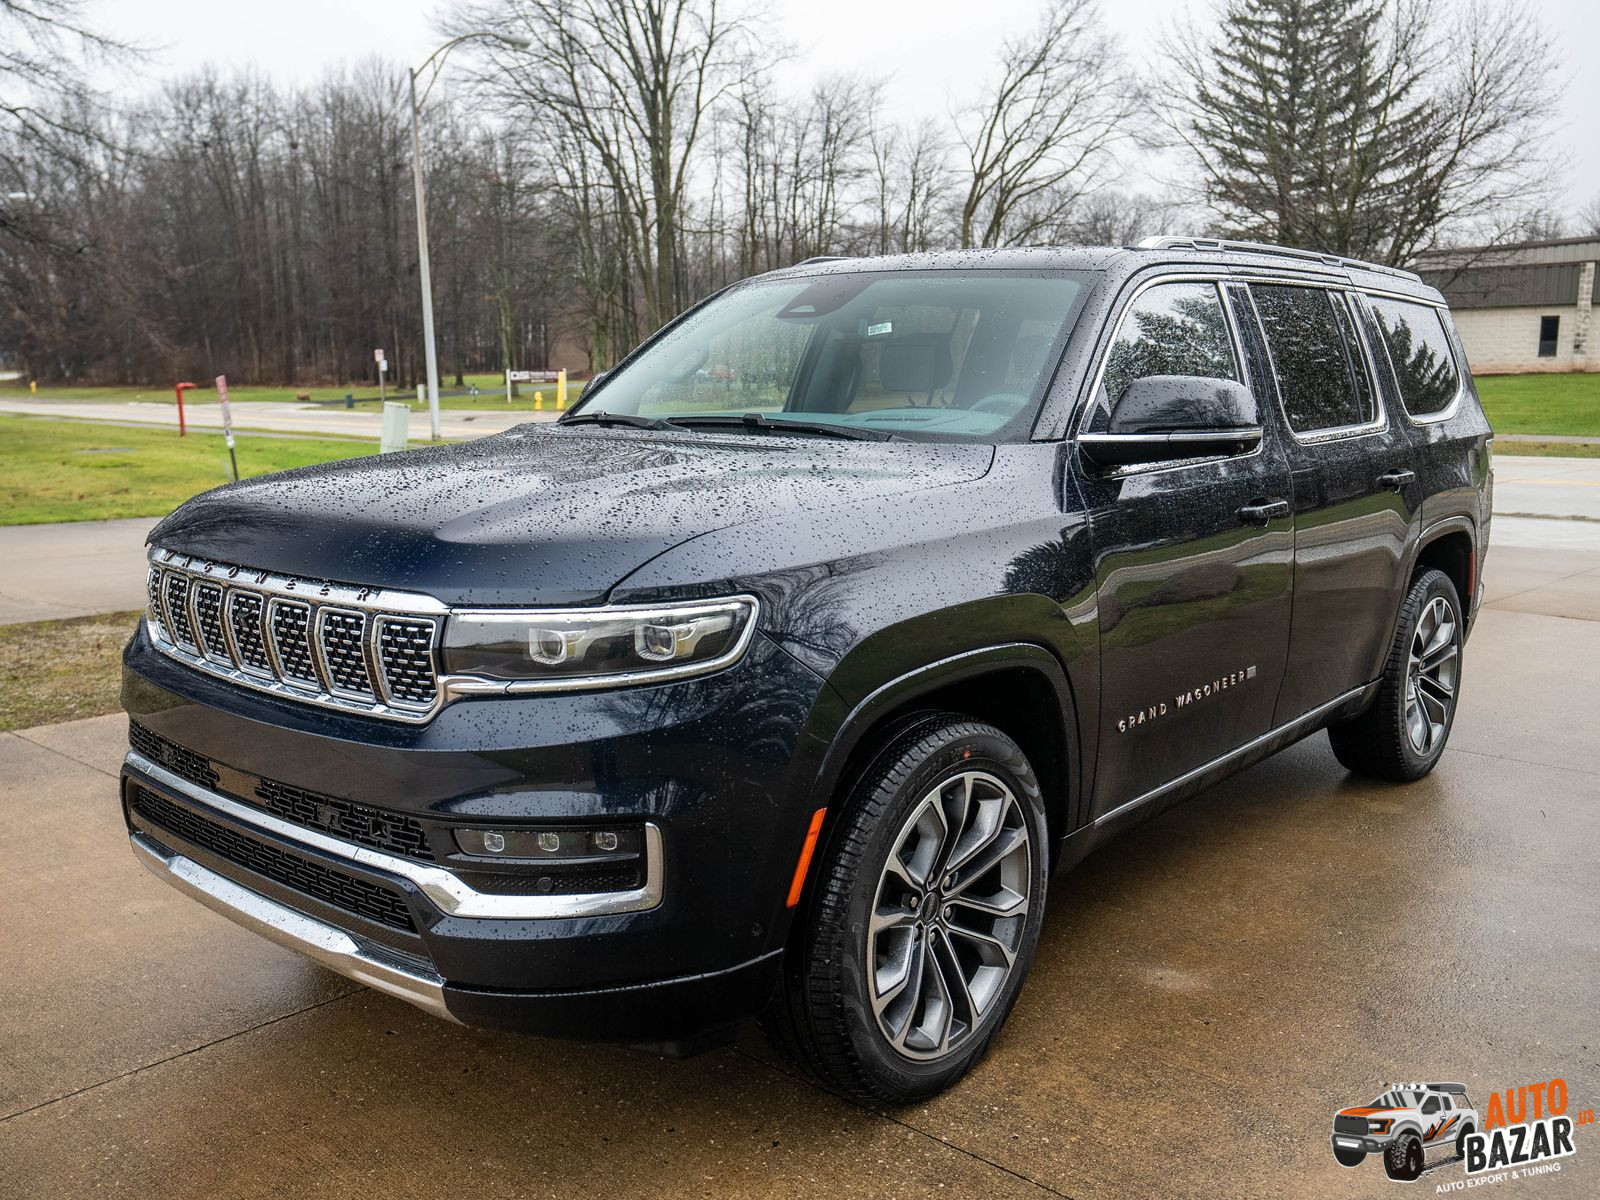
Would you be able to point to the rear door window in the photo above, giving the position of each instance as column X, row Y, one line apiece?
column 1419, row 352
column 1322, row 375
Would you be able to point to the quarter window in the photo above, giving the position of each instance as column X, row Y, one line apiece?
column 1321, row 373
column 1171, row 329
column 1419, row 351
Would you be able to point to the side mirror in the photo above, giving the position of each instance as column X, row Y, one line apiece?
column 1165, row 417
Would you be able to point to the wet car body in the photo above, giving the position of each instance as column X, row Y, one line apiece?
column 1074, row 607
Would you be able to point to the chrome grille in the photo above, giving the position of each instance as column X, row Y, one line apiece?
column 244, row 621
column 351, row 648
column 405, row 656
column 291, row 641
column 175, row 589
column 208, row 621
column 344, row 649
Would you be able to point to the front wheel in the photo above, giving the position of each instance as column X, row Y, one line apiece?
column 922, row 921
column 1403, row 1160
column 1348, row 1157
column 1401, row 736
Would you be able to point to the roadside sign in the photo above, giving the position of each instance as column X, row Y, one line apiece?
column 377, row 357
column 533, row 376
column 227, row 423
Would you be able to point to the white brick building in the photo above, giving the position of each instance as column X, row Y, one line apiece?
column 1523, row 307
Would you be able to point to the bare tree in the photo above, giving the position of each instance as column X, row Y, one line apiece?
column 1589, row 218
column 910, row 184
column 632, row 83
column 1042, row 138
column 1361, row 126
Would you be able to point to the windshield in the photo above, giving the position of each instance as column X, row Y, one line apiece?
column 1398, row 1098
column 960, row 355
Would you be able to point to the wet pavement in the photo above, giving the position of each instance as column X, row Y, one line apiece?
column 1208, row 991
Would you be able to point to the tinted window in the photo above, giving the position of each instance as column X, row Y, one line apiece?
column 1171, row 329
column 1431, row 1104
column 1419, row 350
column 1321, row 373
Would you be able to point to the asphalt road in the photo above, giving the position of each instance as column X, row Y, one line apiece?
column 1208, row 991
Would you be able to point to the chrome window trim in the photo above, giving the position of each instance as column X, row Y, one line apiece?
column 1335, row 433
column 1439, row 311
column 1217, row 280
column 443, row 888
column 476, row 685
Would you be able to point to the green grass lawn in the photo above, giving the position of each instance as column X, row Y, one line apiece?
column 82, row 471
column 1558, row 404
column 491, row 394
column 61, row 670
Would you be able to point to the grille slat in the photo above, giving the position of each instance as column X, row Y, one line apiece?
column 405, row 655
column 344, row 651
column 333, row 887
column 176, row 588
column 244, row 619
column 309, row 641
column 208, row 621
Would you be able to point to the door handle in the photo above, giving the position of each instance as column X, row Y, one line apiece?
column 1260, row 514
column 1395, row 480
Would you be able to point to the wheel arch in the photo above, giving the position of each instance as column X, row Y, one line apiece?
column 1019, row 687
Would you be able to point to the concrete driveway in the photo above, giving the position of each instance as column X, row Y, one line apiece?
column 1207, row 992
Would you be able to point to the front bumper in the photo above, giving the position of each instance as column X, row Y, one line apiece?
column 1366, row 1144
column 706, row 767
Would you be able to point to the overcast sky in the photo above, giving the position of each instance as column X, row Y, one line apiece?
column 931, row 51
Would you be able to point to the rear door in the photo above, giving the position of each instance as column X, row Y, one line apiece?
column 1193, row 589
column 1353, row 492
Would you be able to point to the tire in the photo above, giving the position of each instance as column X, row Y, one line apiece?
column 1403, row 1159
column 1347, row 1157
column 1383, row 742
column 855, row 1023
column 1461, row 1141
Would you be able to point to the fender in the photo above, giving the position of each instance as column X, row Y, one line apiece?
column 1434, row 530
column 846, row 736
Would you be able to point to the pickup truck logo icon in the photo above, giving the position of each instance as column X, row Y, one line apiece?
column 1403, row 1125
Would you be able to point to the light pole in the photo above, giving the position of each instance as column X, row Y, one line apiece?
column 436, row 60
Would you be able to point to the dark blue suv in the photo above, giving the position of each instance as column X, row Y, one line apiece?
column 779, row 676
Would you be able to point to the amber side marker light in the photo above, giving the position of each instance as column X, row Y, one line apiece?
column 805, row 857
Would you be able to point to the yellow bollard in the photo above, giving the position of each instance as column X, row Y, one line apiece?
column 33, row 387
column 561, row 389
column 538, row 401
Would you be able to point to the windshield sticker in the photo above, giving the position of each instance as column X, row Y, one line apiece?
column 880, row 329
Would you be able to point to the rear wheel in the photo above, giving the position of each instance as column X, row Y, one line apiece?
column 1402, row 735
column 1461, row 1141
column 923, row 918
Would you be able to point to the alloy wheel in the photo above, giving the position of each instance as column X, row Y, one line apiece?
column 1431, row 675
column 948, row 914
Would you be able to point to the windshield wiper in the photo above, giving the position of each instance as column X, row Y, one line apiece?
column 614, row 418
column 755, row 420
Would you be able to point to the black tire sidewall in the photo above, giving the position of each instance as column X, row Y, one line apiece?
column 1401, row 1149
column 1428, row 586
column 971, row 747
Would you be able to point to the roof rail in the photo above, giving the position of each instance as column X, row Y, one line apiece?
column 822, row 258
column 1328, row 260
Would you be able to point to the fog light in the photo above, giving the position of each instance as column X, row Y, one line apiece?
column 575, row 846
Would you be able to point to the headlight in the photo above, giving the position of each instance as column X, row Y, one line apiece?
column 1376, row 1126
column 529, row 650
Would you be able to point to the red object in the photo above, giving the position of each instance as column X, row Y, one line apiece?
column 182, row 387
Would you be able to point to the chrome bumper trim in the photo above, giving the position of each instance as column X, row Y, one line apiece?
column 325, row 944
column 443, row 888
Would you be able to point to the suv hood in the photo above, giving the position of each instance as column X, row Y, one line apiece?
column 541, row 515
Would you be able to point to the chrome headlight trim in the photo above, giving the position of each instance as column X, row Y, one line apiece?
column 463, row 684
